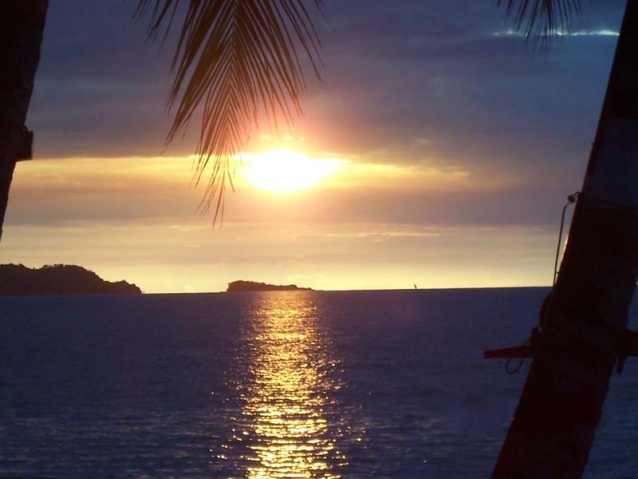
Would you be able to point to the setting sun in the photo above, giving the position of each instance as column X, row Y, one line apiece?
column 286, row 171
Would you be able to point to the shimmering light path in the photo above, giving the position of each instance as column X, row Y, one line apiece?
column 284, row 427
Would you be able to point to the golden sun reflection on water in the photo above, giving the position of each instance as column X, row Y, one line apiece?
column 284, row 404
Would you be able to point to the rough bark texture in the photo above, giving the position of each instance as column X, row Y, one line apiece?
column 586, row 314
column 21, row 29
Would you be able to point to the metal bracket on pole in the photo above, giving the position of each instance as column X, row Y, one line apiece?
column 627, row 347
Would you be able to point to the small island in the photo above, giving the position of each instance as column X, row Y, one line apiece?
column 18, row 280
column 236, row 286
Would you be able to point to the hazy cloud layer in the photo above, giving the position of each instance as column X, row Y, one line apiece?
column 394, row 72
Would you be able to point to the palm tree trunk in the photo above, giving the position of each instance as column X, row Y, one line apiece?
column 585, row 317
column 21, row 29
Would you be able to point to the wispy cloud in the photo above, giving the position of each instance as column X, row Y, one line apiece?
column 574, row 33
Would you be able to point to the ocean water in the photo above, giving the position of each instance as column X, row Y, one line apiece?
column 369, row 384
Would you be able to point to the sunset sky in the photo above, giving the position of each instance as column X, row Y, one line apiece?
column 441, row 146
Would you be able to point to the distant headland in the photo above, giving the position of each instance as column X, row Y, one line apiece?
column 254, row 286
column 18, row 280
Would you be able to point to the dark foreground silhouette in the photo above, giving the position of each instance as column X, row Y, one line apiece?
column 254, row 286
column 17, row 279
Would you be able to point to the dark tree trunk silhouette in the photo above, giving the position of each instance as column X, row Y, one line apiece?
column 584, row 320
column 21, row 29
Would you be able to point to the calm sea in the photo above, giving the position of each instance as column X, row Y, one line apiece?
column 374, row 384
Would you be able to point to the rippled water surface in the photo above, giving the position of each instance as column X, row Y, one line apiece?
column 387, row 384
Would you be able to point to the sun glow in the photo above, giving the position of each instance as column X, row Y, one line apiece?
column 286, row 171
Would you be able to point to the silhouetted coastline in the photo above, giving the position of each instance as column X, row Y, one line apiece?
column 241, row 285
column 59, row 279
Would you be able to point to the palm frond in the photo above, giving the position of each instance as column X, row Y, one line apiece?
column 541, row 19
column 235, row 61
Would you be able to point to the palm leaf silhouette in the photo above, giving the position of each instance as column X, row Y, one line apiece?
column 236, row 61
